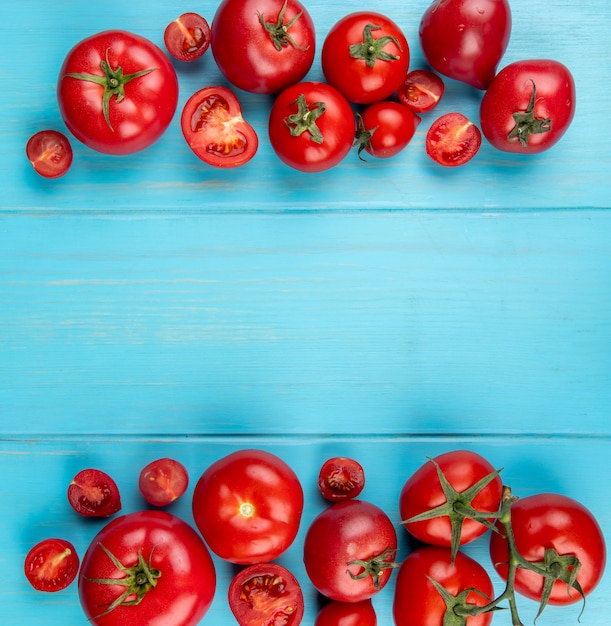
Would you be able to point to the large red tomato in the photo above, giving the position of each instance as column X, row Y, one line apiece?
column 248, row 506
column 465, row 39
column 147, row 567
column 263, row 46
column 117, row 92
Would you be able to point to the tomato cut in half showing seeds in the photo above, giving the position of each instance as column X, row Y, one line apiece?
column 453, row 140
column 341, row 478
column 266, row 594
column 93, row 493
column 187, row 37
column 215, row 130
column 421, row 91
column 51, row 565
column 162, row 481
column 50, row 153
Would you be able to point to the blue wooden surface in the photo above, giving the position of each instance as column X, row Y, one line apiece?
column 152, row 306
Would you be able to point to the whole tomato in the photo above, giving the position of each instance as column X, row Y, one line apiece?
column 311, row 126
column 528, row 106
column 552, row 522
column 163, row 571
column 117, row 92
column 349, row 550
column 418, row 601
column 263, row 46
column 347, row 614
column 466, row 39
column 365, row 56
column 248, row 505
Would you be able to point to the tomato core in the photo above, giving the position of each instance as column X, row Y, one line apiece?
column 247, row 509
column 213, row 119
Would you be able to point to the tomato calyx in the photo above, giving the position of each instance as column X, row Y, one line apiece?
column 138, row 581
column 363, row 136
column 112, row 80
column 279, row 31
column 374, row 566
column 305, row 119
column 372, row 50
column 457, row 607
column 526, row 122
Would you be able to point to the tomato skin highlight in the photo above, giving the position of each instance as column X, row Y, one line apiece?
column 188, row 37
column 453, row 140
column 162, row 481
column 548, row 520
column 50, row 153
column 51, row 565
column 93, row 493
column 421, row 91
column 347, row 614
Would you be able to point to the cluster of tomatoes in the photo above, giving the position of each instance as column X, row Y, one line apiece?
column 247, row 507
column 118, row 92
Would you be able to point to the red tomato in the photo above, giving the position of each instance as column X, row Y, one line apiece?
column 188, row 37
column 341, row 478
column 528, row 106
column 51, row 565
column 164, row 572
column 453, row 140
column 347, row 614
column 545, row 521
column 365, row 56
column 465, row 39
column 248, row 506
column 463, row 470
column 117, row 92
column 421, row 91
column 266, row 594
column 50, row 153
column 418, row 601
column 349, row 551
column 385, row 128
column 93, row 493
column 263, row 46
column 162, row 481
column 215, row 130
column 311, row 126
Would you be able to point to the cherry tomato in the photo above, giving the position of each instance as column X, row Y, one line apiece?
column 385, row 128
column 347, row 614
column 266, row 594
column 248, row 506
column 341, row 478
column 465, row 39
column 50, row 153
column 187, row 37
column 147, row 567
column 51, row 565
column 528, row 106
column 453, row 140
column 117, row 92
column 263, row 46
column 552, row 521
column 421, row 91
column 349, row 550
column 418, row 601
column 93, row 493
column 311, row 126
column 215, row 130
column 162, row 481
column 365, row 56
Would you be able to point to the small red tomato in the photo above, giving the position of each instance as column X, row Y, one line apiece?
column 341, row 478
column 347, row 614
column 188, row 37
column 93, row 493
column 50, row 153
column 215, row 130
column 421, row 90
column 385, row 128
column 163, row 481
column 453, row 140
column 266, row 593
column 51, row 565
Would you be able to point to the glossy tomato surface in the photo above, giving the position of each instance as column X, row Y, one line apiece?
column 50, row 153
column 166, row 551
column 51, row 565
column 556, row 521
column 529, row 106
column 339, row 542
column 347, row 614
column 417, row 601
column 248, row 506
column 263, row 46
column 365, row 56
column 138, row 102
column 188, row 37
column 466, row 39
